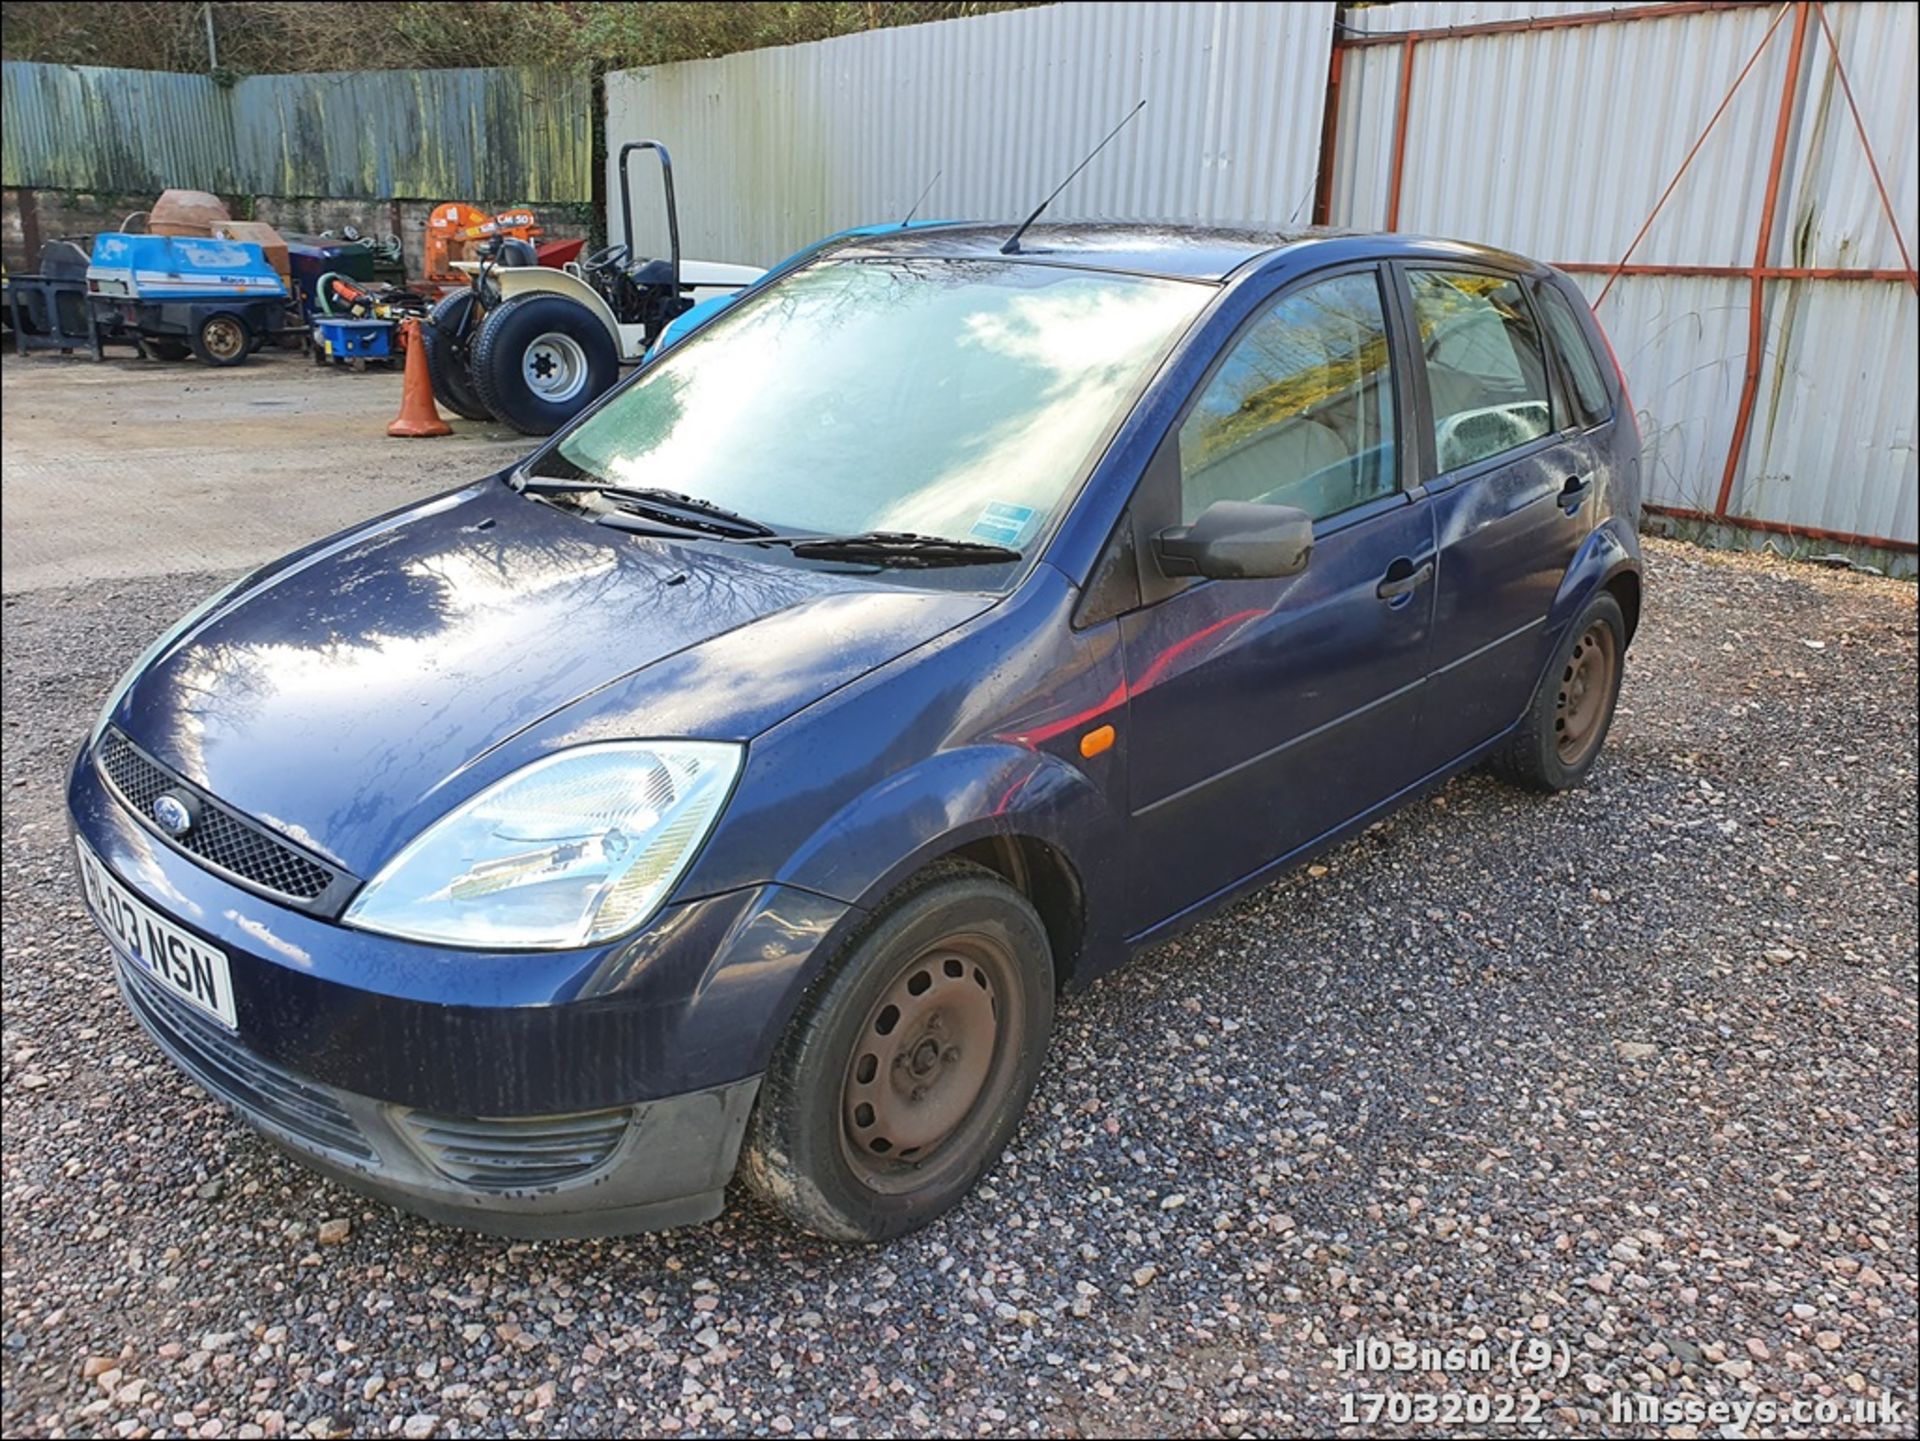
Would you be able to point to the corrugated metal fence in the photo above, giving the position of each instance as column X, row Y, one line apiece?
column 1547, row 127
column 1553, row 129
column 776, row 148
column 376, row 134
column 1774, row 365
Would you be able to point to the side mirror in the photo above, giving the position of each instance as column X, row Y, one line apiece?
column 1238, row 540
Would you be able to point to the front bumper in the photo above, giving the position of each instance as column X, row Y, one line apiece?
column 693, row 1001
column 588, row 1092
column 643, row 1167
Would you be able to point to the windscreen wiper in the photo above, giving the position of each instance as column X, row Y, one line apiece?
column 893, row 547
column 648, row 514
column 686, row 511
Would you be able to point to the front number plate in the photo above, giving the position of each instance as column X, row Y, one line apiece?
column 193, row 970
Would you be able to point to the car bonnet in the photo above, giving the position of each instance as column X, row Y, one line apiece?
column 352, row 695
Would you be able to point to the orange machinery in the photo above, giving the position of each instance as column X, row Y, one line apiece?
column 456, row 230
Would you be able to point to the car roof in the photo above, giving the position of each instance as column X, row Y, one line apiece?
column 1178, row 252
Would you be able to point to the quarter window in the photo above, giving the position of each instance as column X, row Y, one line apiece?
column 1301, row 411
column 1486, row 373
column 1576, row 355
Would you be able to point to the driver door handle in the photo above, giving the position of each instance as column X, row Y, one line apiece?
column 1575, row 491
column 1403, row 577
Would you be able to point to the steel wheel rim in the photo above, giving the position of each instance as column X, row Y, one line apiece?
column 925, row 1059
column 1586, row 694
column 223, row 338
column 554, row 367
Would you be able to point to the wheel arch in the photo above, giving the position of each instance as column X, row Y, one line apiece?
column 1039, row 868
column 517, row 281
column 1625, row 586
column 1603, row 562
column 1026, row 816
column 1041, row 872
column 494, row 363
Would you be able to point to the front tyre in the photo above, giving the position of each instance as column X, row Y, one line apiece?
column 539, row 360
column 1560, row 738
column 909, row 1064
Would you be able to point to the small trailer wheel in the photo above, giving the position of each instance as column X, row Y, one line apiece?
column 223, row 340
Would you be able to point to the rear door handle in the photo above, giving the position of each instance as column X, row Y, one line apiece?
column 1575, row 491
column 1403, row 577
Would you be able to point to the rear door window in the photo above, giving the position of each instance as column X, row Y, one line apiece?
column 1486, row 370
column 1576, row 355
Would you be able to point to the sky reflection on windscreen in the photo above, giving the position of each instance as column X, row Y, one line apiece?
column 960, row 399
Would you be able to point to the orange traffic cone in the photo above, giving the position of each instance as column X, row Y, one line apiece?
column 417, row 413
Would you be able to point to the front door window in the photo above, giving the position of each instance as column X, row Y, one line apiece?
column 1301, row 411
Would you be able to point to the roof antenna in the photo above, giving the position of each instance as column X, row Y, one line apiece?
column 1012, row 247
column 908, row 218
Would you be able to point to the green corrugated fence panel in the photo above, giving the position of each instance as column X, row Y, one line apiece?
column 83, row 127
column 498, row 134
column 416, row 134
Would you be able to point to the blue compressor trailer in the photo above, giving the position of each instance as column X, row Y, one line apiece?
column 218, row 299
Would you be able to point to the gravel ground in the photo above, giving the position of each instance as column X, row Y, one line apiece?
column 1630, row 1071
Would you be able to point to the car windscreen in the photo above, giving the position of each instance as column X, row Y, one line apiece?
column 958, row 399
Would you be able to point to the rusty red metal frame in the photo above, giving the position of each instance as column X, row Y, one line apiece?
column 1762, row 247
column 1732, row 272
column 1358, row 38
column 1757, row 273
column 1781, row 527
column 1860, row 127
column 1329, row 128
column 1400, row 134
column 1665, row 195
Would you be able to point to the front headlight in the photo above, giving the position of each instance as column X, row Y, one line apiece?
column 569, row 851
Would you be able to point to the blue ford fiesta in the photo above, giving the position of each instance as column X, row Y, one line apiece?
column 733, row 784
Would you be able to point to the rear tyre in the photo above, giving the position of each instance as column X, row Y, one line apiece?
column 448, row 329
column 909, row 1064
column 223, row 340
column 1560, row 738
column 539, row 360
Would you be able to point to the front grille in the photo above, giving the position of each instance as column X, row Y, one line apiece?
column 237, row 1076
column 220, row 837
column 511, row 1154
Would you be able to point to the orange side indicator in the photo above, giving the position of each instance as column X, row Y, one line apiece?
column 1099, row 739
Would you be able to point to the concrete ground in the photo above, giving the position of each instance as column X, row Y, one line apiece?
column 1618, row 1085
column 113, row 471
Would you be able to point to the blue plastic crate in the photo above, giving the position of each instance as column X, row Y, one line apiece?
column 339, row 339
